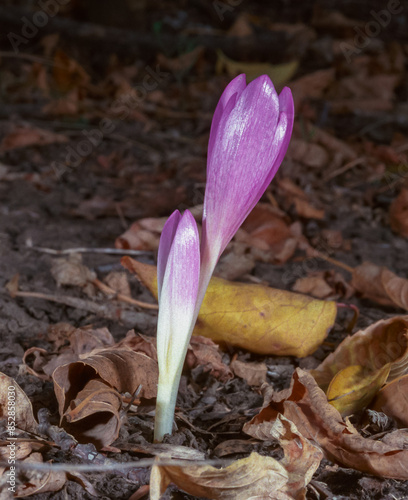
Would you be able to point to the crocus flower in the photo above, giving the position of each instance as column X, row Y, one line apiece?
column 178, row 271
column 249, row 136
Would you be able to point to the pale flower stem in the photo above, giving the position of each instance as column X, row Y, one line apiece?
column 167, row 390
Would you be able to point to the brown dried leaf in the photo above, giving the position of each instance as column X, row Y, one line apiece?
column 140, row 343
column 314, row 285
column 42, row 363
column 88, row 391
column 253, row 373
column 118, row 281
column 308, row 153
column 393, row 400
column 143, row 234
column 306, row 405
column 265, row 228
column 355, row 371
column 71, row 271
column 93, row 415
column 399, row 214
column 40, row 482
column 203, row 351
column 24, row 416
column 251, row 477
column 380, row 285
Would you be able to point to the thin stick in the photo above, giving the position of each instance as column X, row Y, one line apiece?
column 344, row 168
column 333, row 261
column 144, row 462
column 111, row 251
column 124, row 298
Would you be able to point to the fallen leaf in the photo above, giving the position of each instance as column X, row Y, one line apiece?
column 312, row 85
column 22, row 137
column 254, row 317
column 39, row 482
column 253, row 477
column 280, row 74
column 71, row 271
column 399, row 213
column 118, row 281
column 24, row 416
column 314, row 285
column 393, row 400
column 363, row 362
column 306, row 210
column 308, row 153
column 306, row 405
column 380, row 285
column 68, row 344
column 203, row 351
column 253, row 373
column 143, row 234
column 88, row 391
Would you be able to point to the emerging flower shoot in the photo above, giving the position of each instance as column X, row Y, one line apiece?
column 178, row 271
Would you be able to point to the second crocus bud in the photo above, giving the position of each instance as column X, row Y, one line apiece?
column 178, row 272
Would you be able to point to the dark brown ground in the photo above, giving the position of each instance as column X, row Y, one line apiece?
column 159, row 165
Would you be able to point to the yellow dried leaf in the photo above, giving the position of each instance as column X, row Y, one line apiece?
column 352, row 388
column 255, row 317
column 363, row 362
column 280, row 74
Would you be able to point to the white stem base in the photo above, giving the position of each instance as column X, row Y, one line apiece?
column 165, row 406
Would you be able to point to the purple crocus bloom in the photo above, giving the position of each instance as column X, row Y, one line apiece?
column 250, row 134
column 178, row 272
column 249, row 137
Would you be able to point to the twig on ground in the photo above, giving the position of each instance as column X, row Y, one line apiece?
column 109, row 251
column 124, row 298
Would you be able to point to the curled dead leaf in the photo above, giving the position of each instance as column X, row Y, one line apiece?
column 393, row 400
column 306, row 405
column 88, row 391
column 381, row 285
column 258, row 318
column 363, row 362
column 203, row 351
column 252, row 477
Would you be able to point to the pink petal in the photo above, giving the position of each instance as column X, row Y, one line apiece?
column 166, row 240
column 247, row 147
column 228, row 98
